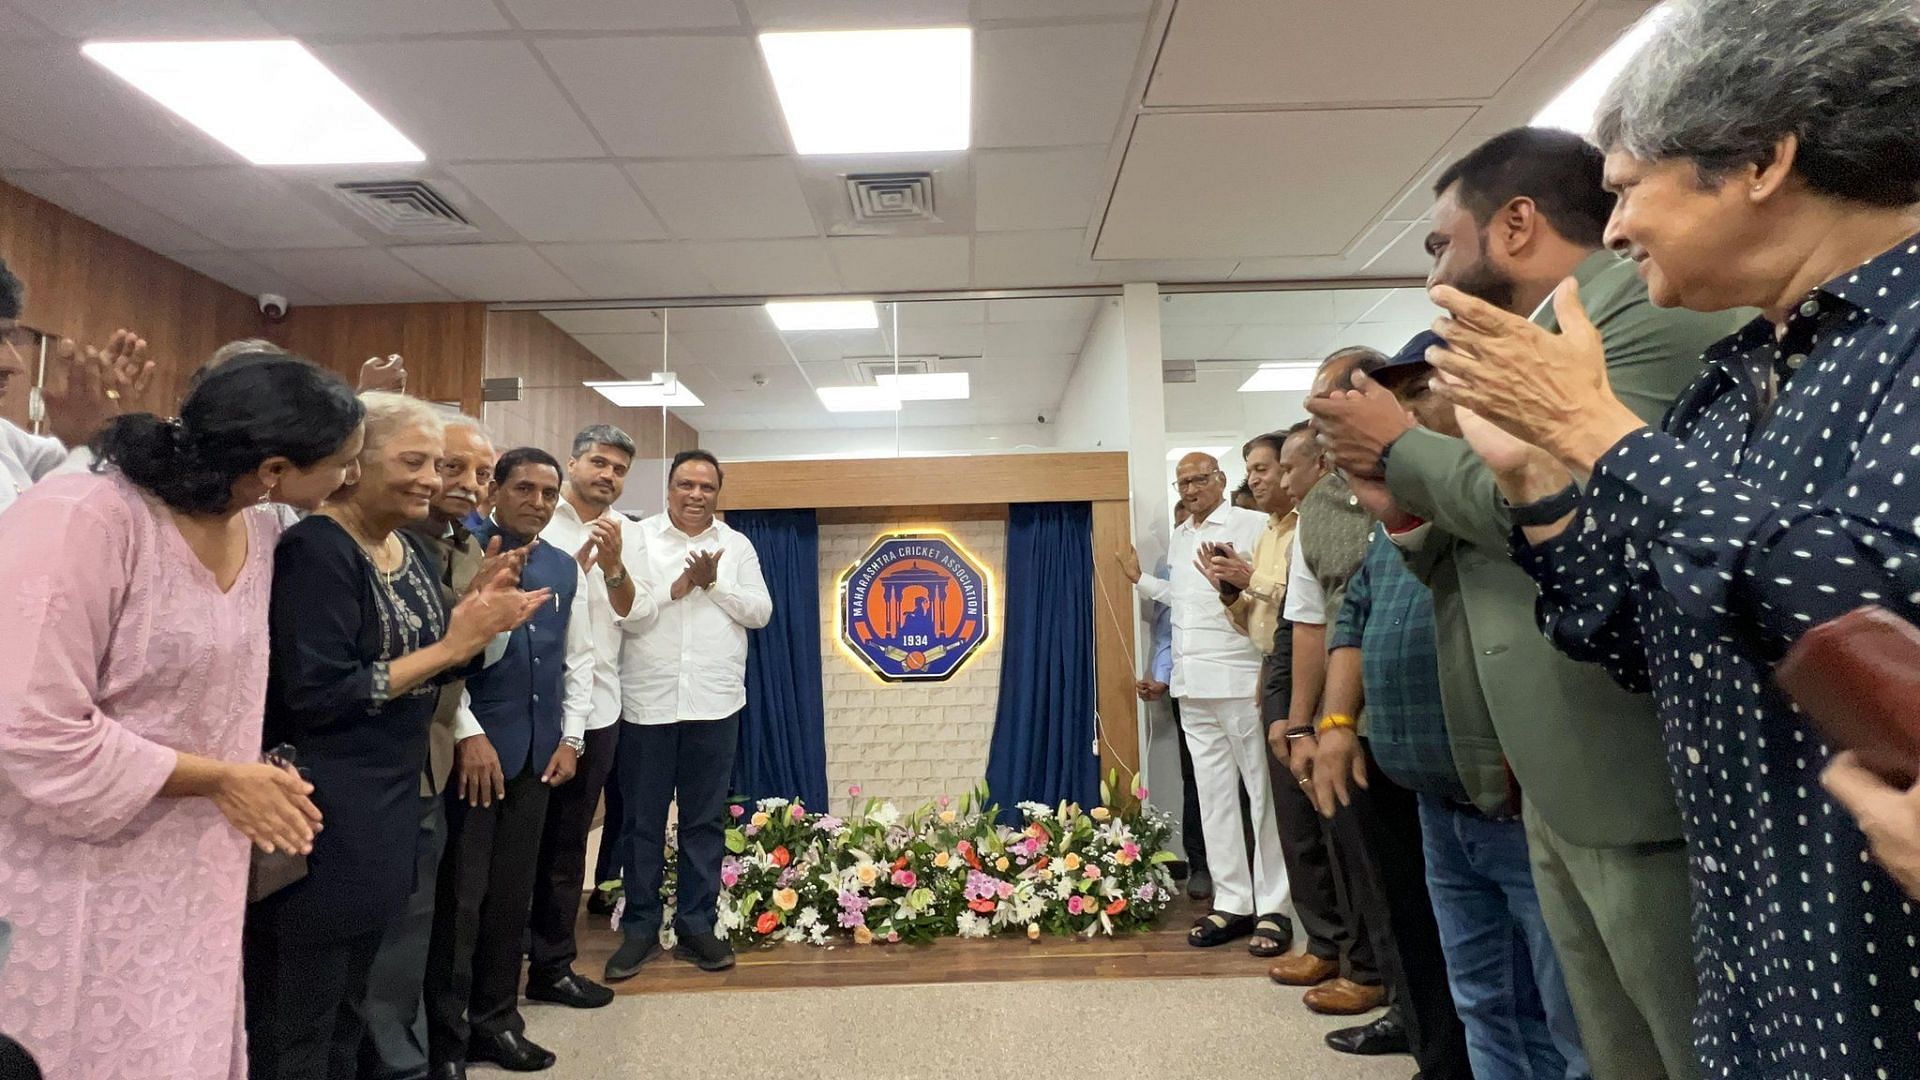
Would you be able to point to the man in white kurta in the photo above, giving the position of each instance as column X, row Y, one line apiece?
column 1216, row 677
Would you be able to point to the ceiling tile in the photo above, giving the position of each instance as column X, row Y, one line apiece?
column 1014, row 259
column 1405, row 306
column 671, row 97
column 627, row 352
column 1388, row 337
column 835, row 347
column 1229, row 52
column 62, row 104
column 239, row 272
column 767, row 267
column 553, row 201
column 751, row 318
column 367, row 18
column 1293, row 269
column 1214, row 185
column 855, row 14
column 1193, row 342
column 628, row 270
column 1278, row 308
column 1353, row 305
column 930, row 313
column 240, row 207
column 958, row 340
column 1035, row 339
column 1036, row 189
column 606, row 321
column 462, row 100
column 111, row 210
column 353, row 275
column 15, row 26
column 1052, row 86
column 1064, row 309
column 623, row 14
column 903, row 264
column 494, row 272
column 732, row 348
column 18, row 155
column 1051, row 9
column 1404, row 252
column 727, row 200
column 1281, row 343
column 148, row 18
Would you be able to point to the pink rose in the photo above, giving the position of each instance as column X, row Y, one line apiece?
column 853, row 792
column 799, row 812
column 737, row 811
column 906, row 879
column 1005, row 890
column 1076, row 904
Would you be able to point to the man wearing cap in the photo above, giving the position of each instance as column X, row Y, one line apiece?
column 1513, row 219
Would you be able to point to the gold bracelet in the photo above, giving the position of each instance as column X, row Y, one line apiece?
column 1334, row 720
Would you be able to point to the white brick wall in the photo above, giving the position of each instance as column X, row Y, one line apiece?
column 908, row 742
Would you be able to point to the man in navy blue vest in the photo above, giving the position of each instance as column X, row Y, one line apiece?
column 520, row 735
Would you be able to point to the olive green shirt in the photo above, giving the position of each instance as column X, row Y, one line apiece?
column 1587, row 753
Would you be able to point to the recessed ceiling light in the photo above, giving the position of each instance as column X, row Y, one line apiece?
column 858, row 399
column 874, row 91
column 272, row 102
column 661, row 391
column 1280, row 378
column 930, row 386
column 1573, row 107
column 793, row 315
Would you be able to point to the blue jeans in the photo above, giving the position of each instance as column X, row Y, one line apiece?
column 1506, row 979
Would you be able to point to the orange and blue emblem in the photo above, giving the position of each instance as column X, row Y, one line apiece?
column 914, row 607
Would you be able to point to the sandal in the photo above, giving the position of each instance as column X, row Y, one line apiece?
column 1218, row 929
column 1272, row 936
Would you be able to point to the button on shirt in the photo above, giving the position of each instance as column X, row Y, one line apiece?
column 1211, row 659
column 690, row 661
column 568, row 533
column 1702, row 552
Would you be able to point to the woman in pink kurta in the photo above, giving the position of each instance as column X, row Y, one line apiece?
column 130, row 710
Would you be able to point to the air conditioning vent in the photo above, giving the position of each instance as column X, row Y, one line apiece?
column 891, row 198
column 404, row 208
column 868, row 368
column 1177, row 371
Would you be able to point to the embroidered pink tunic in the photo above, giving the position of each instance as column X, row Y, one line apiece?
column 126, row 908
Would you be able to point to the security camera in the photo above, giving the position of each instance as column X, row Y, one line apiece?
column 759, row 379
column 273, row 306
column 1041, row 419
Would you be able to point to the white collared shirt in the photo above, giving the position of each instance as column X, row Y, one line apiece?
column 568, row 533
column 26, row 459
column 689, row 662
column 1211, row 659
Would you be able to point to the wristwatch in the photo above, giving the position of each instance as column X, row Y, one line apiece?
column 579, row 745
column 617, row 580
column 1548, row 510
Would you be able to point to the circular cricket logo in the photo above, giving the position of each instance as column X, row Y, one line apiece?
column 914, row 607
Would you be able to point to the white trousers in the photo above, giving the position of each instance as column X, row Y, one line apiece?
column 1229, row 749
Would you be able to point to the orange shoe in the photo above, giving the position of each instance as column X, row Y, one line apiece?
column 1303, row 969
column 1344, row 997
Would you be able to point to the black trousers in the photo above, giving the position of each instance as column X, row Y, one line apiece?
column 303, row 1002
column 395, row 1047
column 561, row 867
column 613, row 827
column 693, row 762
column 1192, row 837
column 1379, row 835
column 480, row 916
column 1323, row 886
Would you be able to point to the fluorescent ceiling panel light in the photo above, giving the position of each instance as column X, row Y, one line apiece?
column 858, row 399
column 792, row 315
column 1573, row 108
column 931, row 386
column 272, row 102
column 661, row 391
column 874, row 91
column 1280, row 378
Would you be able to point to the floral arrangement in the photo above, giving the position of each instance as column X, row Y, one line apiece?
column 883, row 875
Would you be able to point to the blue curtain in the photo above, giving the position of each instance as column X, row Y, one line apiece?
column 1043, row 732
column 783, row 737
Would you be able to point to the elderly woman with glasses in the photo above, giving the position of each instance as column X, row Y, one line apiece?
column 1766, row 154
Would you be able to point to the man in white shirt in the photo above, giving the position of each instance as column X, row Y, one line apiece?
column 683, row 681
column 1216, row 677
column 607, row 544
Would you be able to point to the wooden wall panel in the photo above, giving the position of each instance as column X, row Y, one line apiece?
column 1115, row 636
column 986, row 478
column 554, row 405
column 84, row 282
column 444, row 344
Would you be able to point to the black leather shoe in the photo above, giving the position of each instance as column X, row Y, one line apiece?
column 511, row 1051
column 571, row 990
column 634, row 950
column 448, row 1070
column 706, row 951
column 1387, row 1035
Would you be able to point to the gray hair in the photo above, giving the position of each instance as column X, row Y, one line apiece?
column 1720, row 82
column 603, row 435
column 451, row 420
column 390, row 413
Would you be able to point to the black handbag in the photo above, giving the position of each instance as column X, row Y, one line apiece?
column 270, row 872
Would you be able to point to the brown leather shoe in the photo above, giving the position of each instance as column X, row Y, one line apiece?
column 1303, row 969
column 1344, row 997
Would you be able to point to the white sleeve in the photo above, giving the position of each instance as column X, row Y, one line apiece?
column 1158, row 590
column 1306, row 601
column 465, row 724
column 41, row 455
column 633, row 559
column 745, row 598
column 579, row 682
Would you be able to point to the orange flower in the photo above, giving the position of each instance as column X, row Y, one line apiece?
column 862, row 936
column 984, row 907
column 1072, row 861
column 781, row 856
column 766, row 924
column 1117, row 906
column 901, row 862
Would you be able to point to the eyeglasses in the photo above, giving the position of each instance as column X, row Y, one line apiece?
column 21, row 339
column 1186, row 483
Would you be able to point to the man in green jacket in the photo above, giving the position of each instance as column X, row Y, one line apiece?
column 1512, row 219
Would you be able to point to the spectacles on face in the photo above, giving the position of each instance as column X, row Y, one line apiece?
column 22, row 341
column 1188, row 483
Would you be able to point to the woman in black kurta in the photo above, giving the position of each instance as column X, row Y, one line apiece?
column 361, row 639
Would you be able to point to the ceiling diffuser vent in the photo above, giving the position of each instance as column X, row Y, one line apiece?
column 868, row 368
column 404, row 208
column 891, row 198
